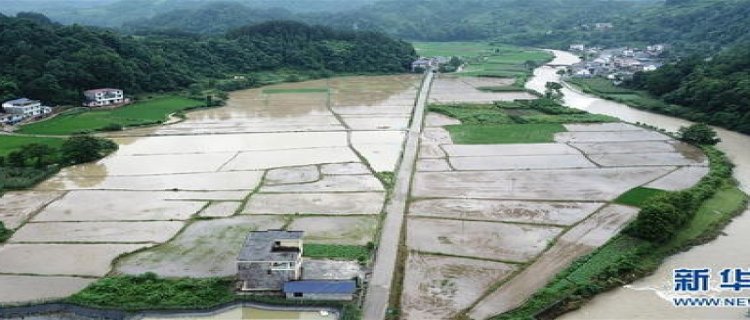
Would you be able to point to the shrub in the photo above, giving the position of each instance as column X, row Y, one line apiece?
column 148, row 291
column 81, row 149
column 4, row 233
column 656, row 222
column 112, row 127
column 699, row 133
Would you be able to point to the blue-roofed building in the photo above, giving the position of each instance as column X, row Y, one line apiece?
column 342, row 290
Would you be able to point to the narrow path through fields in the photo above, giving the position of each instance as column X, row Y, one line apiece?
column 379, row 289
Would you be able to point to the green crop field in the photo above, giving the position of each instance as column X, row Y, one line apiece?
column 504, row 133
column 448, row 49
column 336, row 251
column 141, row 113
column 486, row 59
column 9, row 144
column 637, row 196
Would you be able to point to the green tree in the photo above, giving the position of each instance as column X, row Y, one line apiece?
column 16, row 159
column 657, row 221
column 81, row 149
column 699, row 133
column 40, row 154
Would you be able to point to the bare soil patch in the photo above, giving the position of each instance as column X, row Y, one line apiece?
column 486, row 240
column 205, row 249
column 438, row 287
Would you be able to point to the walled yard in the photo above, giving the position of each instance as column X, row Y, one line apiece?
column 179, row 199
column 490, row 224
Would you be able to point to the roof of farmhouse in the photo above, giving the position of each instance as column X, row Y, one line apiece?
column 261, row 246
column 21, row 102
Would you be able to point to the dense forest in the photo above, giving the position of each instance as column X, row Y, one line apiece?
column 114, row 13
column 212, row 18
column 55, row 63
column 433, row 20
column 715, row 90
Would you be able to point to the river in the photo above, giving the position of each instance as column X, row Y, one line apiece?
column 650, row 297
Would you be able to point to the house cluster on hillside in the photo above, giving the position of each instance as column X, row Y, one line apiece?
column 24, row 109
column 616, row 64
column 271, row 262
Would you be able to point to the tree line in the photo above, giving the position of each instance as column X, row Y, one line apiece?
column 55, row 63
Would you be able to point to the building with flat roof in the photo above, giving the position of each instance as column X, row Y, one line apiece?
column 104, row 97
column 23, row 108
column 268, row 259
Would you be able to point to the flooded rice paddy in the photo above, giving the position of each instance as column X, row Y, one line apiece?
column 454, row 89
column 274, row 157
column 523, row 212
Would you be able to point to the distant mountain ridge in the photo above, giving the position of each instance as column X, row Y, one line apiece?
column 114, row 13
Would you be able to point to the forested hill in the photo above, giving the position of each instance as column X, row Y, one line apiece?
column 54, row 63
column 716, row 91
column 699, row 26
column 113, row 13
column 212, row 18
column 435, row 20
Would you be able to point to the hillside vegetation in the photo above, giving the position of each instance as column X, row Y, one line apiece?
column 716, row 91
column 54, row 63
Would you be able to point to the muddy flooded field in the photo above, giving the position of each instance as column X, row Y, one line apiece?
column 527, row 207
column 298, row 155
column 452, row 89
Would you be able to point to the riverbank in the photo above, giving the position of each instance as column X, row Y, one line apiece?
column 626, row 258
column 641, row 100
column 651, row 296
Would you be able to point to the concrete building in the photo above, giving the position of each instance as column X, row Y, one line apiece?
column 320, row 290
column 104, row 97
column 20, row 109
column 269, row 259
column 577, row 47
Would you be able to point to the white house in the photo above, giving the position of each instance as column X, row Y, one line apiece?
column 104, row 97
column 19, row 109
column 577, row 47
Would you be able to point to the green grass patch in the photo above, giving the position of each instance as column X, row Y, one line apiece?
column 473, row 113
column 511, row 88
column 9, row 144
column 336, row 251
column 507, row 133
column 638, row 196
column 486, row 59
column 150, row 292
column 600, row 85
column 295, row 90
column 140, row 113
column 449, row 49
column 712, row 212
column 4, row 233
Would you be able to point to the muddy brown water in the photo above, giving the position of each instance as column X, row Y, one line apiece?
column 650, row 297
